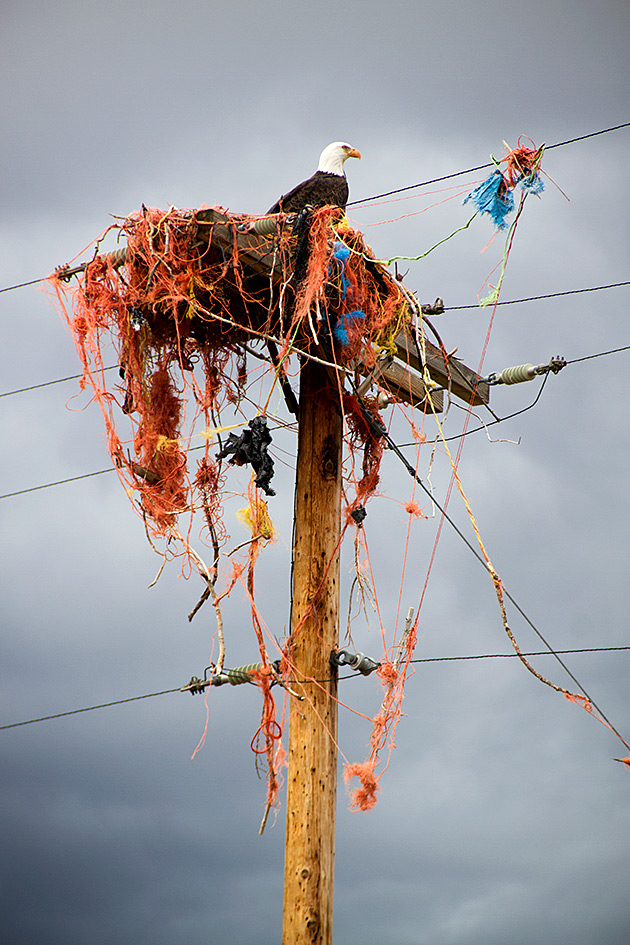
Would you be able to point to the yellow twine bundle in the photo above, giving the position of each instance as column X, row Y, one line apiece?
column 255, row 516
column 193, row 305
column 164, row 444
column 385, row 340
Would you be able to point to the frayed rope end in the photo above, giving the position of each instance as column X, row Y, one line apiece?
column 363, row 797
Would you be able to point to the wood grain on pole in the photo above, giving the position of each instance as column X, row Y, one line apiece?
column 312, row 773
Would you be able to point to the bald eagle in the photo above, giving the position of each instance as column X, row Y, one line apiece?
column 328, row 185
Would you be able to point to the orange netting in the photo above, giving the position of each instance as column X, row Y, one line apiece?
column 189, row 299
column 174, row 302
column 180, row 306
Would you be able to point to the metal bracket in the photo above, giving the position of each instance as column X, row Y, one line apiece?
column 358, row 661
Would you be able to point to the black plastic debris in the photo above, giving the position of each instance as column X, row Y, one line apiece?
column 358, row 515
column 251, row 447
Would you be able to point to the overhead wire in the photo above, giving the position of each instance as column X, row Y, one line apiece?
column 392, row 445
column 592, row 134
column 484, row 426
column 447, row 308
column 538, row 298
column 483, row 167
column 426, row 659
column 59, row 380
column 494, row 656
column 59, row 482
column 22, row 285
column 381, row 431
column 90, row 708
column 517, row 413
column 424, row 183
column 601, row 354
column 100, row 472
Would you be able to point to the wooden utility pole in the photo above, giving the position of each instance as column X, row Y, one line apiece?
column 251, row 273
column 312, row 774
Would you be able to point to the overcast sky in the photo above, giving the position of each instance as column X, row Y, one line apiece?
column 502, row 816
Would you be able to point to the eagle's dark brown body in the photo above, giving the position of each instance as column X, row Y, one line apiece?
column 319, row 190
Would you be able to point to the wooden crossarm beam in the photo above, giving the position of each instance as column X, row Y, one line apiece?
column 257, row 253
column 408, row 386
column 401, row 381
column 452, row 374
column 260, row 256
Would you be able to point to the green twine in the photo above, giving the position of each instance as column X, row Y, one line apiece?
column 388, row 262
column 494, row 295
column 423, row 255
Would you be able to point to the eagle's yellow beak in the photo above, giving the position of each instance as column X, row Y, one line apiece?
column 354, row 153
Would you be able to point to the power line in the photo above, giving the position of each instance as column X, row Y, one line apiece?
column 21, row 285
column 491, row 423
column 517, row 413
column 427, row 659
column 379, row 430
column 510, row 416
column 60, row 482
column 90, row 708
column 400, row 190
column 484, row 426
column 447, row 308
column 494, row 656
column 538, row 298
column 59, row 380
column 593, row 134
column 482, row 167
column 99, row 472
column 424, row 183
column 589, row 357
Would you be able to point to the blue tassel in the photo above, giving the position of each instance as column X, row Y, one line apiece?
column 340, row 331
column 341, row 254
column 487, row 199
column 533, row 184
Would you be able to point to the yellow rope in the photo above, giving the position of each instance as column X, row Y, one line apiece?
column 209, row 432
column 385, row 339
column 256, row 517
column 496, row 580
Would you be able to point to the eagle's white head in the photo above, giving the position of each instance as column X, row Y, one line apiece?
column 332, row 158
